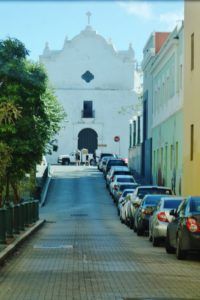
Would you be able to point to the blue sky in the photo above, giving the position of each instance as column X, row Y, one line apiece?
column 35, row 22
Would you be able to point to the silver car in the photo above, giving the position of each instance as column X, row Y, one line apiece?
column 161, row 218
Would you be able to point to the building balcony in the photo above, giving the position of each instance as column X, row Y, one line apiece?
column 87, row 114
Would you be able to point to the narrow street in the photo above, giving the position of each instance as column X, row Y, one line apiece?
column 84, row 252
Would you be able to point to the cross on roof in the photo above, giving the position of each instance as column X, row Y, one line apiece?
column 89, row 16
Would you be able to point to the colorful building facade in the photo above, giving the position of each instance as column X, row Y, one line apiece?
column 191, row 111
column 167, row 123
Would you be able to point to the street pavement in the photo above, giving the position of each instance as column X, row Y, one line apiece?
column 84, row 252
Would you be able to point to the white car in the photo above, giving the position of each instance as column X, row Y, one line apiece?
column 116, row 170
column 119, row 179
column 123, row 199
column 161, row 217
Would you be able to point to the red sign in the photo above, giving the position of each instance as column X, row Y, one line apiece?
column 116, row 138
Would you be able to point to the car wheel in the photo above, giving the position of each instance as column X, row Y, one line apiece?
column 134, row 227
column 155, row 241
column 140, row 231
column 169, row 249
column 150, row 236
column 180, row 254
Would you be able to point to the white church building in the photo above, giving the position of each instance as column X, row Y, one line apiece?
column 95, row 84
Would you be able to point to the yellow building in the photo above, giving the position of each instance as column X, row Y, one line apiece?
column 191, row 148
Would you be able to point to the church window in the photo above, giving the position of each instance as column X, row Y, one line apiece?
column 87, row 76
column 87, row 111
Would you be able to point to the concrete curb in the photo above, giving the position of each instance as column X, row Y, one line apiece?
column 19, row 240
column 44, row 192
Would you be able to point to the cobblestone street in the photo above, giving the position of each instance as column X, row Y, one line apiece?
column 84, row 252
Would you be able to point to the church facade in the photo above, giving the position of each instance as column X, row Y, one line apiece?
column 95, row 85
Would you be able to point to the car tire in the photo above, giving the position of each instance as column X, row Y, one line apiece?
column 169, row 249
column 155, row 241
column 150, row 236
column 140, row 231
column 180, row 254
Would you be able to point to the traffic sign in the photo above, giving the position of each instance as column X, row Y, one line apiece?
column 116, row 138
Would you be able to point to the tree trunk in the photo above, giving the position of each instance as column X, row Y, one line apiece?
column 7, row 196
column 15, row 193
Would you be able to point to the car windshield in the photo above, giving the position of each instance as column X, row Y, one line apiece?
column 116, row 163
column 122, row 173
column 125, row 193
column 145, row 191
column 151, row 201
column 125, row 179
column 195, row 205
column 171, row 204
column 126, row 186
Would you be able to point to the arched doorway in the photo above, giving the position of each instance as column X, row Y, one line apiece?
column 88, row 139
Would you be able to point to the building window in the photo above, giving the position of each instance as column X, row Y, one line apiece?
column 166, row 163
column 176, row 155
column 87, row 76
column 161, row 159
column 134, row 133
column 171, row 157
column 138, row 136
column 192, row 142
column 192, row 52
column 87, row 111
column 130, row 136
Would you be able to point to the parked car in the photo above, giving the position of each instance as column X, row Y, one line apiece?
column 160, row 219
column 139, row 194
column 183, row 233
column 104, row 155
column 113, row 162
column 122, row 198
column 121, row 187
column 122, row 207
column 103, row 163
column 119, row 179
column 143, row 213
column 116, row 170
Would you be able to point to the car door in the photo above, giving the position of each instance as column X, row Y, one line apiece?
column 175, row 224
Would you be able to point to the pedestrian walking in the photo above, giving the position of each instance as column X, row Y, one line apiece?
column 77, row 158
column 94, row 157
column 87, row 160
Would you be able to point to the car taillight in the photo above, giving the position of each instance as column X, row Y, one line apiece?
column 146, row 211
column 162, row 217
column 192, row 225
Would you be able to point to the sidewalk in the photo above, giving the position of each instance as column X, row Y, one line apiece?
column 7, row 250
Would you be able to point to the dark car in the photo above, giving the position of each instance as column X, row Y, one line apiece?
column 183, row 233
column 144, row 211
column 114, row 162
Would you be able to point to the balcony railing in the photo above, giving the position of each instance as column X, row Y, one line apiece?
column 88, row 114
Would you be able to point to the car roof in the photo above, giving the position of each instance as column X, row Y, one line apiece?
column 171, row 198
column 119, row 168
column 123, row 176
column 153, row 187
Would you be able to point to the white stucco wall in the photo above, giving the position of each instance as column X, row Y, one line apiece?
column 111, row 89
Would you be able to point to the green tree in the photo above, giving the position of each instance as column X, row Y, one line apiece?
column 24, row 85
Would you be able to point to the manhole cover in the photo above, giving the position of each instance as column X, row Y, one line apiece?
column 45, row 247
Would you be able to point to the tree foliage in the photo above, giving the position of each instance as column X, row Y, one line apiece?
column 33, row 113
